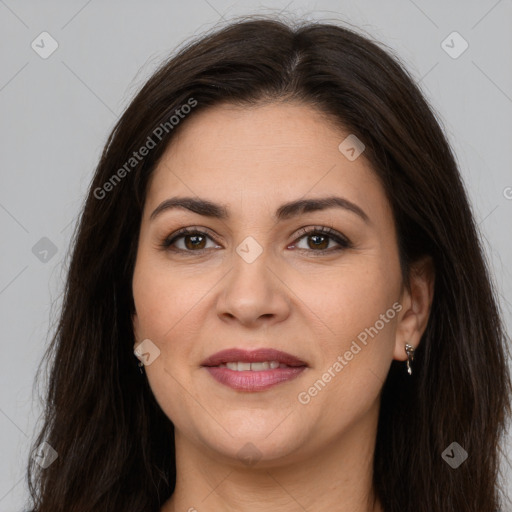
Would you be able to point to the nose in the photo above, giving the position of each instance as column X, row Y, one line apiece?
column 253, row 293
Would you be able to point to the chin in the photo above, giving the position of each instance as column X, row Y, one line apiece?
column 265, row 447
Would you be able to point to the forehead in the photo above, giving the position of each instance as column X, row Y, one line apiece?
column 244, row 155
column 282, row 131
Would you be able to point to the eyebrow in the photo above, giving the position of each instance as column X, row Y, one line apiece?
column 284, row 212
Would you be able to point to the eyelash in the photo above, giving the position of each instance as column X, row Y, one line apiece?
column 343, row 242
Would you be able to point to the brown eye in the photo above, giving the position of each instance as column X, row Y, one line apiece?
column 318, row 240
column 187, row 240
column 194, row 241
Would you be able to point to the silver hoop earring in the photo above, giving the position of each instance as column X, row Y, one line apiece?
column 409, row 350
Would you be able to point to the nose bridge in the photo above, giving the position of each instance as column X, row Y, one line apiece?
column 251, row 290
column 250, row 261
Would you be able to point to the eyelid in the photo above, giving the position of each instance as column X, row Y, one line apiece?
column 342, row 241
column 189, row 230
column 325, row 230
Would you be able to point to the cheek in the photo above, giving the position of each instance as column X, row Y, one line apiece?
column 164, row 298
column 347, row 383
column 348, row 298
column 356, row 334
column 164, row 303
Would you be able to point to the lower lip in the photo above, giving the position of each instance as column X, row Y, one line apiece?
column 254, row 380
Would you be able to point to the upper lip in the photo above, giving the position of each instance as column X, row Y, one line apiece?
column 253, row 356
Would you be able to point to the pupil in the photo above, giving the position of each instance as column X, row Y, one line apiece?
column 316, row 237
column 194, row 239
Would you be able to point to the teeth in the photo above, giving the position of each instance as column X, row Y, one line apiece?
column 255, row 367
column 259, row 366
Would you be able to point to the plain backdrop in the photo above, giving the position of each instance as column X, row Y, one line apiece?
column 56, row 113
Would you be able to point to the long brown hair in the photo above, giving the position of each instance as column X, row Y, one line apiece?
column 115, row 445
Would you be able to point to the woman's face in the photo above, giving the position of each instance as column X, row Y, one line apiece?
column 263, row 277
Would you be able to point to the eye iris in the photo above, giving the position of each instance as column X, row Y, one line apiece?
column 194, row 244
column 316, row 245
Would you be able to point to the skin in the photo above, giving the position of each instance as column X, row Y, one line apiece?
column 315, row 456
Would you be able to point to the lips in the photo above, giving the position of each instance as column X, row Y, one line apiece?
column 248, row 376
column 254, row 356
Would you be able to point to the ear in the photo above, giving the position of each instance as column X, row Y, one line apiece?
column 417, row 303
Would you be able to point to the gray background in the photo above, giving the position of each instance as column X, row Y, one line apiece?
column 57, row 112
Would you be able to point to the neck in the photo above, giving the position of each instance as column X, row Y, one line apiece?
column 336, row 477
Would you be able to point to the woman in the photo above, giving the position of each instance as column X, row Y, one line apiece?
column 277, row 298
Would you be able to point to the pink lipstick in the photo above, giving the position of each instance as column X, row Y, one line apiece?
column 255, row 370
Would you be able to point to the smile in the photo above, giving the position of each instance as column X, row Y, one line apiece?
column 255, row 370
column 255, row 367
